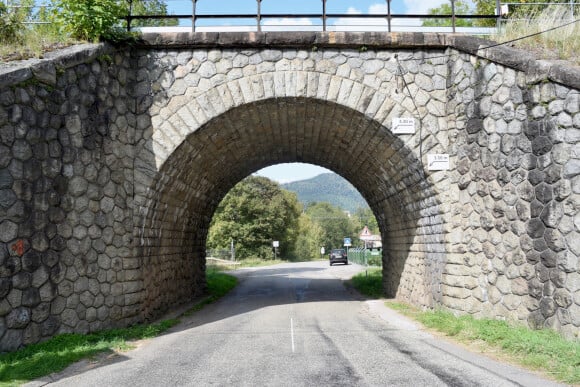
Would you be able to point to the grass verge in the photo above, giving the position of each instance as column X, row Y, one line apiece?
column 543, row 350
column 218, row 285
column 369, row 283
column 254, row 262
column 56, row 354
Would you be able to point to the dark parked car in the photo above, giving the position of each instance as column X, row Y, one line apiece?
column 338, row 255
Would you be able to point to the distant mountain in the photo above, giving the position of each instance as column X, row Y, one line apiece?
column 328, row 187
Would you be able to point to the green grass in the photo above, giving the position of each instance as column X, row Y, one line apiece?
column 369, row 283
column 561, row 43
column 255, row 262
column 35, row 43
column 543, row 350
column 56, row 354
column 218, row 285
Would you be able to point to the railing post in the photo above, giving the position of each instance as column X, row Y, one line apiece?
column 323, row 15
column 129, row 16
column 193, row 4
column 453, row 15
column 259, row 15
column 389, row 14
column 498, row 13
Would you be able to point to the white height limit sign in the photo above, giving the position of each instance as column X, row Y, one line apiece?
column 403, row 125
column 438, row 162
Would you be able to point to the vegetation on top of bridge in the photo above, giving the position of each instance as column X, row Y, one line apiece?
column 28, row 30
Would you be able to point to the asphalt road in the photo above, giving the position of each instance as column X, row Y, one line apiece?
column 295, row 325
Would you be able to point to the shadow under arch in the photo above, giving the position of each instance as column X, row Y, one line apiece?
column 197, row 175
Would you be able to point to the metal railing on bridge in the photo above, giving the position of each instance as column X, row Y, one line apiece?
column 190, row 16
column 193, row 15
column 386, row 21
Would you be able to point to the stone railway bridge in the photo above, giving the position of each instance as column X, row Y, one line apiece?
column 113, row 160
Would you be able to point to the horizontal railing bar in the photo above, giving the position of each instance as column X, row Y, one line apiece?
column 308, row 15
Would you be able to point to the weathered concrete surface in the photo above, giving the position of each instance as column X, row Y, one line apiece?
column 113, row 161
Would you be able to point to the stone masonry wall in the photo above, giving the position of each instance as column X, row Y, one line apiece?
column 66, row 183
column 516, row 240
column 219, row 114
column 112, row 163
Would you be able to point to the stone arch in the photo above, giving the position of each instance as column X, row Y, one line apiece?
column 202, row 145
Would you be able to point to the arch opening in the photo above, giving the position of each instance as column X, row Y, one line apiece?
column 210, row 161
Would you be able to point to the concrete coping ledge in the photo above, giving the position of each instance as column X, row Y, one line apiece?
column 13, row 73
column 558, row 71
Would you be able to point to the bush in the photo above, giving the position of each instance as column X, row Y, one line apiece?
column 88, row 19
column 10, row 25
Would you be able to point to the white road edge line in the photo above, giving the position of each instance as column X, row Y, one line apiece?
column 292, row 333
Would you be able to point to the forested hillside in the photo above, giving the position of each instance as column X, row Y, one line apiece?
column 328, row 187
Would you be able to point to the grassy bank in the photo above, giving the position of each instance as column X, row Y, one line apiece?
column 560, row 43
column 542, row 350
column 369, row 283
column 54, row 355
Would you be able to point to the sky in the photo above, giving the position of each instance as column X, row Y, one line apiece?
column 306, row 6
column 301, row 6
column 288, row 172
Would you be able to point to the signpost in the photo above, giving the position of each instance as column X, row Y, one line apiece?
column 347, row 243
column 275, row 245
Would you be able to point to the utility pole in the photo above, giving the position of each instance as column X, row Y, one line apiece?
column 259, row 15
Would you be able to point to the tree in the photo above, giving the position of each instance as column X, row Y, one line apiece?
column 461, row 8
column 334, row 223
column 150, row 7
column 255, row 213
column 311, row 238
column 12, row 20
column 88, row 19
column 485, row 7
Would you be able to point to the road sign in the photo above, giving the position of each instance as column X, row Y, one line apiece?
column 347, row 242
column 438, row 162
column 403, row 125
column 276, row 244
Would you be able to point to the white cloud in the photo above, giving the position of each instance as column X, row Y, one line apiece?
column 288, row 24
column 421, row 6
column 373, row 24
column 378, row 8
